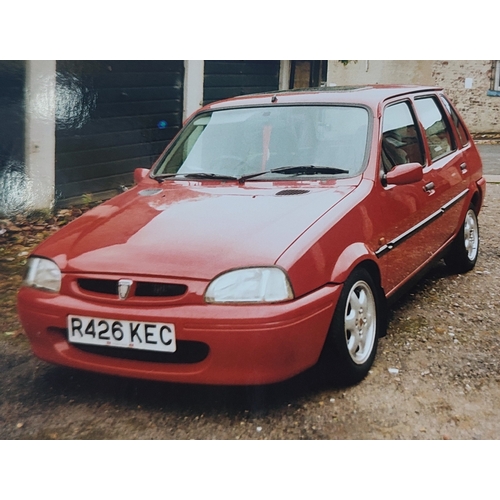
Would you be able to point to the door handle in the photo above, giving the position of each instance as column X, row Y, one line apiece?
column 429, row 186
column 463, row 167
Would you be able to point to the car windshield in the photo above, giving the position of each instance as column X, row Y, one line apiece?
column 246, row 141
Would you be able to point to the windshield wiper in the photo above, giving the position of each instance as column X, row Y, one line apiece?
column 161, row 177
column 290, row 169
column 198, row 175
column 299, row 169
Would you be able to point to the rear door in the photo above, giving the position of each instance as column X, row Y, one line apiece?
column 471, row 165
column 447, row 170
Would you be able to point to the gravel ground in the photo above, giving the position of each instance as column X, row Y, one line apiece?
column 436, row 376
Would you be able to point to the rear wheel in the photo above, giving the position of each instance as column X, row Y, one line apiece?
column 357, row 324
column 464, row 250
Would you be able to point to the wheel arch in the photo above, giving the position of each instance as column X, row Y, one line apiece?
column 359, row 256
column 355, row 255
column 479, row 194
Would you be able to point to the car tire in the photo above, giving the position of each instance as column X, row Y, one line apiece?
column 463, row 252
column 358, row 322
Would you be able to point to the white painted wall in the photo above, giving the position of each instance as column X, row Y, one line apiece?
column 284, row 81
column 40, row 104
column 193, row 87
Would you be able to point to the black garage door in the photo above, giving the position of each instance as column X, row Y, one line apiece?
column 12, row 116
column 113, row 116
column 225, row 79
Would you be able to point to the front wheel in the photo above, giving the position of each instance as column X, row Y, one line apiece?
column 463, row 252
column 357, row 324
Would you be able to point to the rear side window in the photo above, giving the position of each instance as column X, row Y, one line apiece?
column 437, row 131
column 462, row 134
column 400, row 138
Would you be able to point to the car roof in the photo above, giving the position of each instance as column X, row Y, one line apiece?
column 370, row 95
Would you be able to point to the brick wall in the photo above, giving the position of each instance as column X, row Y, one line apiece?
column 480, row 111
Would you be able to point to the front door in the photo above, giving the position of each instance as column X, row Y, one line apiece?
column 405, row 210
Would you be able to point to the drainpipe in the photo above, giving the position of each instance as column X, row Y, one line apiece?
column 40, row 144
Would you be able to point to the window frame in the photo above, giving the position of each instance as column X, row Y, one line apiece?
column 456, row 122
column 450, row 126
column 416, row 123
column 496, row 81
column 159, row 168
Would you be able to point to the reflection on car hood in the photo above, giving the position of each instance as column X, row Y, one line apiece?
column 190, row 230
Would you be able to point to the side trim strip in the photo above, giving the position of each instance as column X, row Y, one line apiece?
column 407, row 234
column 455, row 200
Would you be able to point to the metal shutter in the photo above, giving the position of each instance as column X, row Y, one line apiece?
column 112, row 117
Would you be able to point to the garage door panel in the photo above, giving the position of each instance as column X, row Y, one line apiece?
column 112, row 117
column 225, row 79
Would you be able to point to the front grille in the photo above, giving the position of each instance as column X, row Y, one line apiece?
column 187, row 352
column 148, row 289
column 142, row 288
column 109, row 287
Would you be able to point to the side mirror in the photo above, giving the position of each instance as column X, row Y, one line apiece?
column 139, row 174
column 406, row 173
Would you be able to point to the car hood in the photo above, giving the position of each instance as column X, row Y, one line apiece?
column 192, row 230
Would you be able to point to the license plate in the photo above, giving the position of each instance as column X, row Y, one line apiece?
column 148, row 336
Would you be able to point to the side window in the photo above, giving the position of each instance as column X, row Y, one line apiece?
column 462, row 134
column 401, row 141
column 436, row 129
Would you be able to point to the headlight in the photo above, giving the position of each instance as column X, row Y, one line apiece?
column 43, row 274
column 256, row 284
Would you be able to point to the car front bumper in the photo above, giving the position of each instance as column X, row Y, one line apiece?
column 247, row 344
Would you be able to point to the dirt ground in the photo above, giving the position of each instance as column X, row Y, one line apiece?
column 436, row 376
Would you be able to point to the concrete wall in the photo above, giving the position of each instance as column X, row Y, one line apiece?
column 465, row 82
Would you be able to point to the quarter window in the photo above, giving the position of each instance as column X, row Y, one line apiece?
column 464, row 139
column 400, row 138
column 436, row 129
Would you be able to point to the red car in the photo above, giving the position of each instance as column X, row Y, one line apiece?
column 269, row 237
